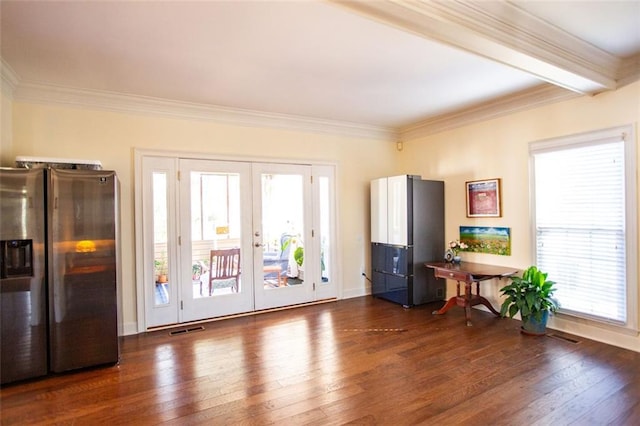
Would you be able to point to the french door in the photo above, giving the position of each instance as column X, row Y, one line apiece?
column 282, row 232
column 215, row 214
column 278, row 217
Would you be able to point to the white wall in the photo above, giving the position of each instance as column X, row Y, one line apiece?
column 499, row 149
column 54, row 131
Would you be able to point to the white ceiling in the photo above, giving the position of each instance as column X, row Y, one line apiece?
column 397, row 66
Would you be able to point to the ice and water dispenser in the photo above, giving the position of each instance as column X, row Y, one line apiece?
column 16, row 258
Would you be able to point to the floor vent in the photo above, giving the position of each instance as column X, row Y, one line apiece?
column 566, row 339
column 186, row 330
column 375, row 330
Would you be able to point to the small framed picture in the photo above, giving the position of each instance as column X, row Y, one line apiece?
column 483, row 198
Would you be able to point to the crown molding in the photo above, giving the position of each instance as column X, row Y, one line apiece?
column 124, row 103
column 502, row 32
column 9, row 79
column 521, row 101
column 629, row 71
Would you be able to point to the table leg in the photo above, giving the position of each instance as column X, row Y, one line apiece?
column 486, row 303
column 451, row 302
column 467, row 303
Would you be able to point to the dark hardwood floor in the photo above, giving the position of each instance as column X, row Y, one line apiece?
column 360, row 361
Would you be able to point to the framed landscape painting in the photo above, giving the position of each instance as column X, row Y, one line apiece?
column 486, row 239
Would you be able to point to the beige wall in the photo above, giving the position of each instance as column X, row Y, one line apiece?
column 111, row 138
column 6, row 117
column 499, row 149
column 493, row 149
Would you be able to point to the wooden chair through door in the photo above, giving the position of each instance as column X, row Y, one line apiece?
column 224, row 269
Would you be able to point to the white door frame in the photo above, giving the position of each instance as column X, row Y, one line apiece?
column 143, row 274
column 165, row 313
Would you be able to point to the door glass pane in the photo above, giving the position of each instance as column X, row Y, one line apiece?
column 282, row 228
column 160, row 258
column 325, row 234
column 215, row 233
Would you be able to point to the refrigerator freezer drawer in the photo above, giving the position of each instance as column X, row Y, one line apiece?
column 391, row 259
column 392, row 287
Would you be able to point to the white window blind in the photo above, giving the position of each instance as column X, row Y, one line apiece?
column 579, row 199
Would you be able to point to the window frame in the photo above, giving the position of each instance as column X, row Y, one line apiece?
column 628, row 135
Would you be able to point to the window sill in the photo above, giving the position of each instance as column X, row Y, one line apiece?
column 618, row 335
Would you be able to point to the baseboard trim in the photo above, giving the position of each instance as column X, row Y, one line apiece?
column 129, row 329
column 350, row 294
column 241, row 315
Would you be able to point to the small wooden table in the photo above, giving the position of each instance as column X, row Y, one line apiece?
column 468, row 273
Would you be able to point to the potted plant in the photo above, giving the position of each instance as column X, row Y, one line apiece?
column 298, row 255
column 456, row 246
column 531, row 295
column 160, row 267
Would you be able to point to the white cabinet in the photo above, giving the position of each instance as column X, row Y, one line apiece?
column 389, row 210
column 379, row 210
column 397, row 214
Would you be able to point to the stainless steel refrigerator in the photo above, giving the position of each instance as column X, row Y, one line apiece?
column 58, row 271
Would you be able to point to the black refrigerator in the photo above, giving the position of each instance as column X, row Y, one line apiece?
column 58, row 271
column 407, row 230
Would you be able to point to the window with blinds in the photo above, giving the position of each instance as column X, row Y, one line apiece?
column 580, row 218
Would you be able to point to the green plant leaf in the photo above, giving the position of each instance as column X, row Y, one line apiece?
column 513, row 309
column 529, row 294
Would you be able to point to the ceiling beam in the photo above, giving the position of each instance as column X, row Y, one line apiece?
column 629, row 70
column 504, row 33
